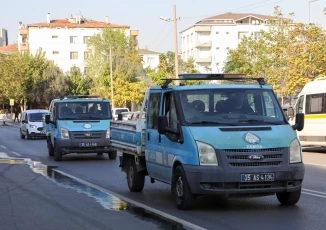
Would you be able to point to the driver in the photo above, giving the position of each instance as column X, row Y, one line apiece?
column 239, row 105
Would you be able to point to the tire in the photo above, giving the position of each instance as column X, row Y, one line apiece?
column 28, row 135
column 50, row 148
column 21, row 135
column 112, row 155
column 57, row 153
column 289, row 198
column 182, row 195
column 136, row 180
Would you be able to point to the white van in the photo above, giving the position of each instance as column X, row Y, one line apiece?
column 117, row 111
column 312, row 102
column 31, row 124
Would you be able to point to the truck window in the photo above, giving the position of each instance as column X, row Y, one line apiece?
column 170, row 111
column 153, row 110
column 315, row 103
column 80, row 110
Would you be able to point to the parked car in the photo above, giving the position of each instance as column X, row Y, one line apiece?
column 31, row 124
column 117, row 111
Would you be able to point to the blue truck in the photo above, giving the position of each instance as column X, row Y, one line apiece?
column 230, row 138
column 78, row 124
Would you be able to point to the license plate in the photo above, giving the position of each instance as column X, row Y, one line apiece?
column 87, row 144
column 257, row 177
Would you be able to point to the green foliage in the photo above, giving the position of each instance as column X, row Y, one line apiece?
column 77, row 83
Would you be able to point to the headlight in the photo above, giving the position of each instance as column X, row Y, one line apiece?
column 295, row 152
column 107, row 133
column 33, row 126
column 207, row 155
column 64, row 133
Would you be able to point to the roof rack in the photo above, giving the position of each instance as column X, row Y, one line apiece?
column 79, row 96
column 213, row 76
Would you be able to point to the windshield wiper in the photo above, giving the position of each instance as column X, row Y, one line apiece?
column 212, row 122
column 257, row 121
column 89, row 117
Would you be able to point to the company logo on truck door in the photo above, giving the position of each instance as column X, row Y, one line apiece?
column 253, row 141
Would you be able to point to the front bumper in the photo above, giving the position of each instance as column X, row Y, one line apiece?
column 204, row 180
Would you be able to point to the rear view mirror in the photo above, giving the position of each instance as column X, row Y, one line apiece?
column 299, row 122
column 47, row 119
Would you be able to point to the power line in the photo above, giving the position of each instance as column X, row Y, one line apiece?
column 159, row 33
column 236, row 9
column 164, row 38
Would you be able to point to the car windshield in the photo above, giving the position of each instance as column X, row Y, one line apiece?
column 118, row 111
column 98, row 110
column 36, row 117
column 231, row 107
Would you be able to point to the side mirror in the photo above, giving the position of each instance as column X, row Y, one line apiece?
column 162, row 122
column 23, row 121
column 290, row 112
column 120, row 117
column 47, row 119
column 299, row 122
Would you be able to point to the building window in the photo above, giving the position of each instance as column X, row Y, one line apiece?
column 86, row 39
column 73, row 39
column 242, row 35
column 150, row 60
column 86, row 55
column 227, row 32
column 257, row 35
column 55, row 52
column 54, row 36
column 73, row 55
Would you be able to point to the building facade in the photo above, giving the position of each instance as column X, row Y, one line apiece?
column 209, row 40
column 150, row 59
column 3, row 37
column 65, row 40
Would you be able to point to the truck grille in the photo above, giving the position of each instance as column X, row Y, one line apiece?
column 254, row 157
column 88, row 135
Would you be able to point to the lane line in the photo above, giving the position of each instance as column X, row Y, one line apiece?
column 17, row 154
column 313, row 191
column 314, row 164
column 312, row 194
column 2, row 146
column 156, row 211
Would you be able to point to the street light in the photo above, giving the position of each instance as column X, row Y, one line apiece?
column 110, row 56
column 310, row 1
column 176, row 54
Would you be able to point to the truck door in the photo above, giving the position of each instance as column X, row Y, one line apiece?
column 153, row 148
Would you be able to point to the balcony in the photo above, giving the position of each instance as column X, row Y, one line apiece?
column 207, row 59
column 203, row 28
column 133, row 32
column 24, row 47
column 23, row 31
column 203, row 43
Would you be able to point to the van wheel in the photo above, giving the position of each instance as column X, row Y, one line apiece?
column 182, row 195
column 113, row 155
column 289, row 198
column 28, row 135
column 50, row 148
column 136, row 180
column 57, row 153
column 22, row 136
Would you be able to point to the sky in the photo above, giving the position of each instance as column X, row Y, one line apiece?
column 144, row 15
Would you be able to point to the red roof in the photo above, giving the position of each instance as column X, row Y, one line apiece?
column 84, row 24
column 12, row 48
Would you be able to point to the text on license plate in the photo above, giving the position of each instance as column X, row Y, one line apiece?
column 257, row 177
column 87, row 144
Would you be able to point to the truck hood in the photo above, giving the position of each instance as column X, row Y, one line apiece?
column 243, row 137
column 89, row 125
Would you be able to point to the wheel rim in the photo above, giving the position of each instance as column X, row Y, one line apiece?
column 131, row 175
column 179, row 187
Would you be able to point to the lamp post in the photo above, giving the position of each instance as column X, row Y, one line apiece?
column 111, row 76
column 310, row 1
column 176, row 53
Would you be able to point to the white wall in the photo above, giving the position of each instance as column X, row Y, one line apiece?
column 151, row 60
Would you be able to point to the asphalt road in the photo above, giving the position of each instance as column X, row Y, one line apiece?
column 209, row 212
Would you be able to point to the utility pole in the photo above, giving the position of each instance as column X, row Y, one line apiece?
column 176, row 53
column 112, row 101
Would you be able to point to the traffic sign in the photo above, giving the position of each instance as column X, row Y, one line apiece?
column 12, row 102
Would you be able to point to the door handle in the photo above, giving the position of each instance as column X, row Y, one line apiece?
column 148, row 136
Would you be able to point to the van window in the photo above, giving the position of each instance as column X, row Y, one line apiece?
column 299, row 105
column 118, row 111
column 315, row 103
column 153, row 109
column 36, row 117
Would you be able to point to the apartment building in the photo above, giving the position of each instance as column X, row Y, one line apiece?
column 65, row 40
column 209, row 40
column 150, row 58
column 3, row 37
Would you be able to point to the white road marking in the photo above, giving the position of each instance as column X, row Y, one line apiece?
column 166, row 215
column 2, row 146
column 312, row 194
column 17, row 154
column 314, row 164
column 4, row 155
column 313, row 191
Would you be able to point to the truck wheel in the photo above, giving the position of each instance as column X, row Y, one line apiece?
column 182, row 195
column 289, row 198
column 22, row 136
column 50, row 148
column 113, row 155
column 57, row 153
column 136, row 180
column 28, row 135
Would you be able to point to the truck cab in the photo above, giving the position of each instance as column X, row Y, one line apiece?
column 231, row 139
column 79, row 124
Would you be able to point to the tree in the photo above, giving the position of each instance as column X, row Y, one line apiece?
column 77, row 83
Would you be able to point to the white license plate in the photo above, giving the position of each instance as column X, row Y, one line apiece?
column 92, row 144
column 257, row 177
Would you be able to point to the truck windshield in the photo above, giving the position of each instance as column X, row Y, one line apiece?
column 84, row 110
column 231, row 107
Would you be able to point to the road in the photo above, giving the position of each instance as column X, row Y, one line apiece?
column 208, row 213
